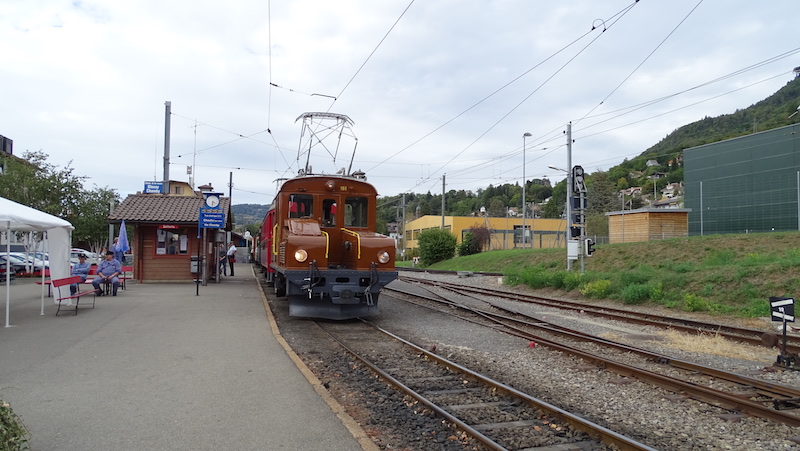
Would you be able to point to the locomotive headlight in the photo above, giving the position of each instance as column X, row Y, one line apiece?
column 300, row 255
column 383, row 257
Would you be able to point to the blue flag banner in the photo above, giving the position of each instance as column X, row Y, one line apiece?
column 122, row 241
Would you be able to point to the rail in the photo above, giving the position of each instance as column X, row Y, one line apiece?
column 709, row 395
column 576, row 422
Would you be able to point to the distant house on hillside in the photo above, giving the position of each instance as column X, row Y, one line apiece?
column 651, row 163
column 672, row 190
column 632, row 191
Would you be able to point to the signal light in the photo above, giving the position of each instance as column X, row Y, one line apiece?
column 575, row 232
column 589, row 247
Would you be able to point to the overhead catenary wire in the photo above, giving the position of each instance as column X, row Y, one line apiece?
column 616, row 18
column 652, row 52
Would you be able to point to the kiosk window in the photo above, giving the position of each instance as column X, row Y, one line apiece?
column 171, row 243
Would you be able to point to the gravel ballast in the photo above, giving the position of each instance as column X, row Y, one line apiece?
column 651, row 415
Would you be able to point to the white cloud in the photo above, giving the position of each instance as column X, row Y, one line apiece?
column 86, row 82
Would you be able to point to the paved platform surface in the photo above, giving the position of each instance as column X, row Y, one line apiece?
column 160, row 368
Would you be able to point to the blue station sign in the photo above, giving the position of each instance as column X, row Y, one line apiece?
column 211, row 218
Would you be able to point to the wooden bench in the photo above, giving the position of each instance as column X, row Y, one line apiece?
column 92, row 272
column 64, row 298
column 124, row 275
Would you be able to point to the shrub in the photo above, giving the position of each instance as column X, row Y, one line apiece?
column 572, row 280
column 436, row 245
column 694, row 303
column 636, row 293
column 596, row 289
column 13, row 435
column 535, row 278
column 469, row 245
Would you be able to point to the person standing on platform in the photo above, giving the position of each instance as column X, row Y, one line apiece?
column 79, row 269
column 223, row 260
column 107, row 272
column 232, row 257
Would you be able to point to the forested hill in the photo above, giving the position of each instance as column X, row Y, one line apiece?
column 245, row 214
column 772, row 112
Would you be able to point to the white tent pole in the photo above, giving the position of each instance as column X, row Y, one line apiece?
column 8, row 273
column 44, row 237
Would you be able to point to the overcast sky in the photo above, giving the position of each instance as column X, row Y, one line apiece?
column 433, row 86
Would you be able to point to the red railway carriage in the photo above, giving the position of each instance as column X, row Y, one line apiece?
column 320, row 249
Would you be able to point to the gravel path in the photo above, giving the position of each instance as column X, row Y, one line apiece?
column 654, row 416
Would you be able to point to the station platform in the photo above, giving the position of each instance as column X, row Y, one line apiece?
column 159, row 367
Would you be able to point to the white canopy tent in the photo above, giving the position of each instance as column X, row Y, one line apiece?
column 16, row 217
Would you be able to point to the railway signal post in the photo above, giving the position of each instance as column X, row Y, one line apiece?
column 783, row 310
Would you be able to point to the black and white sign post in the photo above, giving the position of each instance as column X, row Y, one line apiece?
column 782, row 310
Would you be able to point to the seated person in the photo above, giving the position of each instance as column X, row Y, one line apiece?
column 107, row 272
column 80, row 269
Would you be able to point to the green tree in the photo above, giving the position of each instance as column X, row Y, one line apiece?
column 33, row 182
column 600, row 193
column 436, row 245
column 469, row 245
column 90, row 218
column 555, row 207
column 475, row 240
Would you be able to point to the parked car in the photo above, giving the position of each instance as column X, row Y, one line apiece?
column 35, row 258
column 31, row 261
column 18, row 266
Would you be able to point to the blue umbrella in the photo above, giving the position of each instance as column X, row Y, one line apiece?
column 122, row 241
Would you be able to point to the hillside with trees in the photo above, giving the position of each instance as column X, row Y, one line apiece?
column 665, row 167
column 604, row 186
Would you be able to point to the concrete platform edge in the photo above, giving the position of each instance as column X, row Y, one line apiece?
column 352, row 426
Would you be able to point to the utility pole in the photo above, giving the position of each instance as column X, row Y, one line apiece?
column 569, row 192
column 167, row 123
column 404, row 227
column 443, row 175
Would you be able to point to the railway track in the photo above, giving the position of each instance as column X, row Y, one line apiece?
column 496, row 415
column 742, row 394
column 741, row 334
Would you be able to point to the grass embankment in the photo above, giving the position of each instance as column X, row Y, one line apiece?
column 720, row 274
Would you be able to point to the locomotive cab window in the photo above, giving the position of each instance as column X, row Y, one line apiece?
column 355, row 212
column 329, row 213
column 301, row 206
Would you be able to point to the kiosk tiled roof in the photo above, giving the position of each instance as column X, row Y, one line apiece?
column 160, row 208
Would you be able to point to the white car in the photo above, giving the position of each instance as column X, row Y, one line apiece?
column 31, row 261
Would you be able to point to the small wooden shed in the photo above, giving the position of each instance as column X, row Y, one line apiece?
column 165, row 235
column 647, row 224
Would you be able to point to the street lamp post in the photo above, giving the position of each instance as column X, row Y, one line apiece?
column 524, row 136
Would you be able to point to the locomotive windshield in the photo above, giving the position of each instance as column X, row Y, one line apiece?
column 301, row 205
column 355, row 212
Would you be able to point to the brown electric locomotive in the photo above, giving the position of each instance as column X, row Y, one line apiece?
column 319, row 247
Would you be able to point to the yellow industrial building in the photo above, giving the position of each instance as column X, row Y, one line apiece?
column 506, row 233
